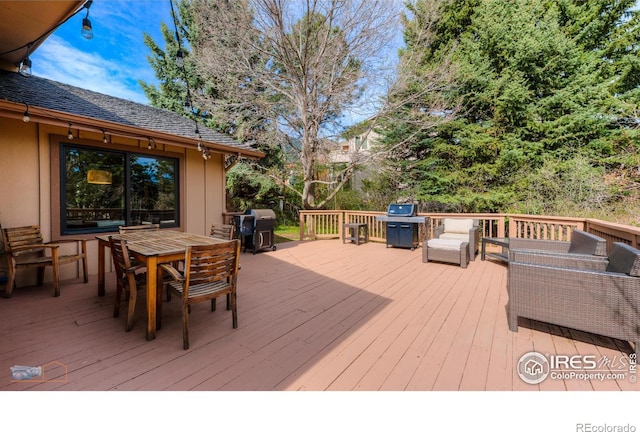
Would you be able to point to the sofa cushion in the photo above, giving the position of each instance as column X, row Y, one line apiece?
column 461, row 226
column 624, row 259
column 446, row 244
column 585, row 243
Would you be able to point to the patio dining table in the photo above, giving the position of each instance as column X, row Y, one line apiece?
column 152, row 248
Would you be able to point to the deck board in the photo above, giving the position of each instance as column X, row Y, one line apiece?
column 315, row 315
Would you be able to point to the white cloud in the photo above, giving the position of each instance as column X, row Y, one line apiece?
column 60, row 61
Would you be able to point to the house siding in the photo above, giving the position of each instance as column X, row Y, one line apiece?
column 26, row 185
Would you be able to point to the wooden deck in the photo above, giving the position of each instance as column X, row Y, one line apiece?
column 318, row 315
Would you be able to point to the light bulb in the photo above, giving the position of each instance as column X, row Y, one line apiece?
column 86, row 31
column 179, row 58
column 25, row 67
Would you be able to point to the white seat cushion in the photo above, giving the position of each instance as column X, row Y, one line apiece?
column 459, row 226
column 455, row 236
column 448, row 244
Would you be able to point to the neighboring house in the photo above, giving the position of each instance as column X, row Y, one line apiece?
column 82, row 162
column 356, row 149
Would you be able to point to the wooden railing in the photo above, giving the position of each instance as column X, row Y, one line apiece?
column 319, row 224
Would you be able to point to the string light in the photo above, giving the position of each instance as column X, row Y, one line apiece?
column 104, row 137
column 26, row 117
column 179, row 58
column 70, row 132
column 25, row 66
column 87, row 31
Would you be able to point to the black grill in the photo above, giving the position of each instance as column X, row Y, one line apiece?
column 256, row 229
column 402, row 225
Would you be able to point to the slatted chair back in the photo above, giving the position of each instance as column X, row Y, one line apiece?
column 120, row 255
column 14, row 238
column 149, row 227
column 125, row 278
column 223, row 232
column 208, row 264
column 210, row 272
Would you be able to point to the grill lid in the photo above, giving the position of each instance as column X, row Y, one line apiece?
column 405, row 210
column 262, row 214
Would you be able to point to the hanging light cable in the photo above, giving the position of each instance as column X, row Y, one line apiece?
column 179, row 54
column 188, row 105
column 70, row 132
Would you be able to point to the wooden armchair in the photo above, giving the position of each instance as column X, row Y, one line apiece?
column 223, row 232
column 25, row 248
column 211, row 271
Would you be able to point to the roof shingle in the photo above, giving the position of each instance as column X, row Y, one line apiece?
column 44, row 93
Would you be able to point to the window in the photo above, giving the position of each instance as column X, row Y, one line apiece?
column 102, row 189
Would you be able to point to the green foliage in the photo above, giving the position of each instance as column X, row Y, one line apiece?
column 246, row 189
column 548, row 90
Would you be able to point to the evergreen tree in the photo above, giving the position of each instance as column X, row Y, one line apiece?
column 540, row 83
column 185, row 89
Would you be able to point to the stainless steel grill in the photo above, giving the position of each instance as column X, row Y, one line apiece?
column 402, row 225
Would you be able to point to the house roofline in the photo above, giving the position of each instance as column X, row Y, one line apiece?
column 58, row 118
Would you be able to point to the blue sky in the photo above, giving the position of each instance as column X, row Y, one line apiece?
column 116, row 58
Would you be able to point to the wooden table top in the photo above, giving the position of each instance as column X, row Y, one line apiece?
column 149, row 243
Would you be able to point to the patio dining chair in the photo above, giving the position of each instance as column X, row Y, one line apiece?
column 222, row 231
column 129, row 278
column 211, row 271
column 25, row 248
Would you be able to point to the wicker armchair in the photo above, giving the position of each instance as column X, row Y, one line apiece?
column 592, row 295
column 466, row 230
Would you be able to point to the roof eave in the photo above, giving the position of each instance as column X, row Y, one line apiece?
column 59, row 118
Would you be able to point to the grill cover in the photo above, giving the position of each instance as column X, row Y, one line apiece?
column 406, row 210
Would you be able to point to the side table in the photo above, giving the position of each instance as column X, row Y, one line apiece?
column 358, row 233
column 503, row 242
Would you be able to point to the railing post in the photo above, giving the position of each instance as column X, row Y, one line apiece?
column 512, row 226
column 301, row 215
column 501, row 222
